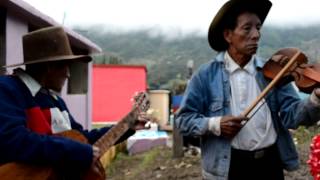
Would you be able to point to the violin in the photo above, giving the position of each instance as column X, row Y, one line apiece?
column 284, row 66
column 306, row 76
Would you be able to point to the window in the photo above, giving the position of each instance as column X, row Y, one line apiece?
column 78, row 81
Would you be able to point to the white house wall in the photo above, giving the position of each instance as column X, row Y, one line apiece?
column 15, row 29
column 80, row 104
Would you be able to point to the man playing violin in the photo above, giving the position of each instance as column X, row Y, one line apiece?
column 233, row 146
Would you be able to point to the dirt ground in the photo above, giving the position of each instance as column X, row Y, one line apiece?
column 155, row 164
column 159, row 164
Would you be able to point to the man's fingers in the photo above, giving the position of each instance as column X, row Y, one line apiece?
column 143, row 117
column 317, row 92
column 231, row 125
column 96, row 152
column 240, row 118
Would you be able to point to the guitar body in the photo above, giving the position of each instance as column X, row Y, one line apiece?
column 20, row 171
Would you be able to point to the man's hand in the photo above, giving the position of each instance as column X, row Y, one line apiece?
column 96, row 169
column 141, row 120
column 317, row 92
column 96, row 153
column 231, row 125
column 281, row 59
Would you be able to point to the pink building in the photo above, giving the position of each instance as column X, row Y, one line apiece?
column 113, row 86
column 18, row 18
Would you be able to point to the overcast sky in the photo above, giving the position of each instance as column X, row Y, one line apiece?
column 187, row 15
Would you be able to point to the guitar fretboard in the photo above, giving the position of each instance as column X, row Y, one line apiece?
column 113, row 135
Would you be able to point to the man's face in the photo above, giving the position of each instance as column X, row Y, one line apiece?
column 57, row 74
column 245, row 37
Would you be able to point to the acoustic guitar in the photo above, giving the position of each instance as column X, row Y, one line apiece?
column 20, row 171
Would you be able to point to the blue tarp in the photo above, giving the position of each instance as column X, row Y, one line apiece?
column 176, row 101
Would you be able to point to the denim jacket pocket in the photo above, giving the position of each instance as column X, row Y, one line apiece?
column 216, row 107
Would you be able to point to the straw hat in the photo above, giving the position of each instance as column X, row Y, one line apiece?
column 48, row 45
column 215, row 33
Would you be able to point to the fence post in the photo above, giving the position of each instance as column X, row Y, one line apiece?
column 177, row 142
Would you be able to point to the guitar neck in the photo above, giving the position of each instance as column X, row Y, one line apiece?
column 114, row 134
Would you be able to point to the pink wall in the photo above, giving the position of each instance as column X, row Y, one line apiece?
column 113, row 86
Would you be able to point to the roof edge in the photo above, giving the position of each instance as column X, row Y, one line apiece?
column 45, row 20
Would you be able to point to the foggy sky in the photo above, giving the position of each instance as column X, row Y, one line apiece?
column 180, row 15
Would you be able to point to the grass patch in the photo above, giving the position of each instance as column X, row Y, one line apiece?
column 140, row 162
column 304, row 134
column 98, row 126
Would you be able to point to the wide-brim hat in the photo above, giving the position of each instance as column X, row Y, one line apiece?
column 215, row 33
column 48, row 45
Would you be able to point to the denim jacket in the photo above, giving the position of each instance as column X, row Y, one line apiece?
column 208, row 95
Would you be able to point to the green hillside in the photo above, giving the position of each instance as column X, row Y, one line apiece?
column 166, row 57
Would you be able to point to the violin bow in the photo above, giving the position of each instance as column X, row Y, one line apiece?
column 271, row 84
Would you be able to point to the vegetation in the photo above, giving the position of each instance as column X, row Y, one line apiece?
column 140, row 163
column 304, row 135
column 166, row 57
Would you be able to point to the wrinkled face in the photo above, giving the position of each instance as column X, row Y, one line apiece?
column 245, row 37
column 57, row 74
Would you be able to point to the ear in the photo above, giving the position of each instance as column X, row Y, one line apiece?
column 227, row 35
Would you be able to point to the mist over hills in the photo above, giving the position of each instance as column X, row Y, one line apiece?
column 166, row 53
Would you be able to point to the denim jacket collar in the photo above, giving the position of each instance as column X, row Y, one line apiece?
column 258, row 62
